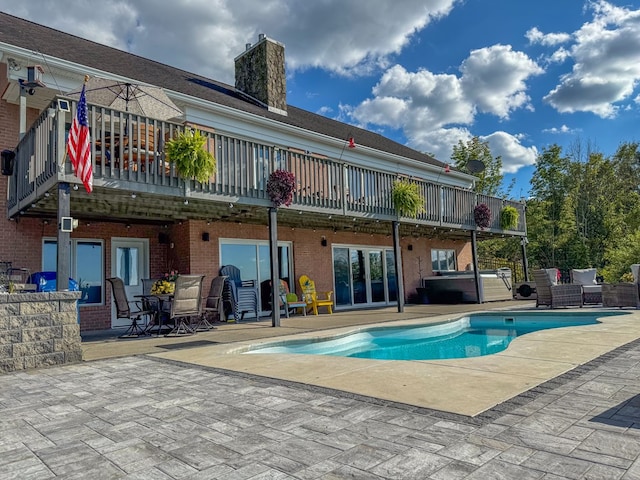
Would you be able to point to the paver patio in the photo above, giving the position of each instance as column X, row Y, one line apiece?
column 144, row 417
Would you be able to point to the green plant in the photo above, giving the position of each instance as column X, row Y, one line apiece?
column 192, row 159
column 407, row 198
column 509, row 216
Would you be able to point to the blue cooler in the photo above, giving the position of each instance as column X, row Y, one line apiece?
column 46, row 282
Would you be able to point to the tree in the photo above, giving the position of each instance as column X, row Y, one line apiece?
column 490, row 179
column 544, row 209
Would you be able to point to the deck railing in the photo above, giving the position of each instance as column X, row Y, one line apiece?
column 128, row 149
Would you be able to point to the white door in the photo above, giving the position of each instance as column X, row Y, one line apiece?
column 130, row 262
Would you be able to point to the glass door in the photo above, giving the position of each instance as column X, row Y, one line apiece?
column 130, row 262
column 254, row 262
column 363, row 276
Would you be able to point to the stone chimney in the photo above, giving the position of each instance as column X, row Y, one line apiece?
column 260, row 73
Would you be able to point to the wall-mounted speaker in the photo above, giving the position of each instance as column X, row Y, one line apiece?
column 163, row 238
column 205, row 236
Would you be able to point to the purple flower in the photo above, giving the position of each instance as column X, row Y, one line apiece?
column 482, row 215
column 280, row 187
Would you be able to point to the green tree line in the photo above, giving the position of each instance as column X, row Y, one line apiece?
column 583, row 210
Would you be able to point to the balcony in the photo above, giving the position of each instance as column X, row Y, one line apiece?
column 135, row 182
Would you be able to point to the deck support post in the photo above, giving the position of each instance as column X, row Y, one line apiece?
column 476, row 272
column 397, row 257
column 63, row 249
column 525, row 262
column 275, row 280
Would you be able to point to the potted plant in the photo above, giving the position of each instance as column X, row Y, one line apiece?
column 482, row 215
column 192, row 159
column 280, row 187
column 407, row 198
column 509, row 216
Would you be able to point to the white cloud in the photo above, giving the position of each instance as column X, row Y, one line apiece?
column 560, row 130
column 203, row 36
column 606, row 69
column 549, row 39
column 514, row 154
column 494, row 79
column 435, row 110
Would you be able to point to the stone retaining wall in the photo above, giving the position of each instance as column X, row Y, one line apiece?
column 38, row 330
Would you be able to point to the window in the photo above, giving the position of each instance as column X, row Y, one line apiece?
column 443, row 260
column 252, row 257
column 87, row 260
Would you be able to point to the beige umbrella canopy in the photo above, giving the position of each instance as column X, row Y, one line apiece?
column 134, row 98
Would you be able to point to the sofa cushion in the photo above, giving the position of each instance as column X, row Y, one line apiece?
column 552, row 273
column 583, row 276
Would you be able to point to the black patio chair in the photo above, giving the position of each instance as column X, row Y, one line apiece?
column 123, row 310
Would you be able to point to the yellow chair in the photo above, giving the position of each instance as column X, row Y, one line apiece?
column 310, row 295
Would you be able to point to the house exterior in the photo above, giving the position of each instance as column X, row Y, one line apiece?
column 142, row 219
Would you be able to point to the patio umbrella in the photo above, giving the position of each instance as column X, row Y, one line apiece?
column 138, row 99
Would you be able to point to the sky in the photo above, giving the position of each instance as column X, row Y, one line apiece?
column 520, row 75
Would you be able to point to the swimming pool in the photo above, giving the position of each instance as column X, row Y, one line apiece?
column 470, row 336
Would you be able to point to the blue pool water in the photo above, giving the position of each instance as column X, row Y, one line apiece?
column 470, row 336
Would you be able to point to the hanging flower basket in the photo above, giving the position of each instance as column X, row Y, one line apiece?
column 407, row 198
column 482, row 215
column 280, row 187
column 509, row 216
column 192, row 159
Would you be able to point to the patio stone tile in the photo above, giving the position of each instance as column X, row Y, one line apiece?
column 598, row 472
column 469, row 453
column 303, row 451
column 498, row 470
column 350, row 473
column 453, row 471
column 536, row 440
column 411, row 465
column 557, row 464
column 516, row 455
column 363, row 457
column 608, row 460
column 609, row 443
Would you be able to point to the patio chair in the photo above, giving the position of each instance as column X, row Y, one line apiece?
column 123, row 310
column 186, row 304
column 623, row 294
column 153, row 303
column 213, row 305
column 310, row 295
column 291, row 300
column 555, row 295
column 591, row 289
column 239, row 297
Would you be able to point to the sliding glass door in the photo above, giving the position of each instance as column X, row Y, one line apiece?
column 254, row 262
column 363, row 276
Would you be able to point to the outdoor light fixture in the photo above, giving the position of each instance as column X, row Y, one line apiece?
column 13, row 64
column 67, row 224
